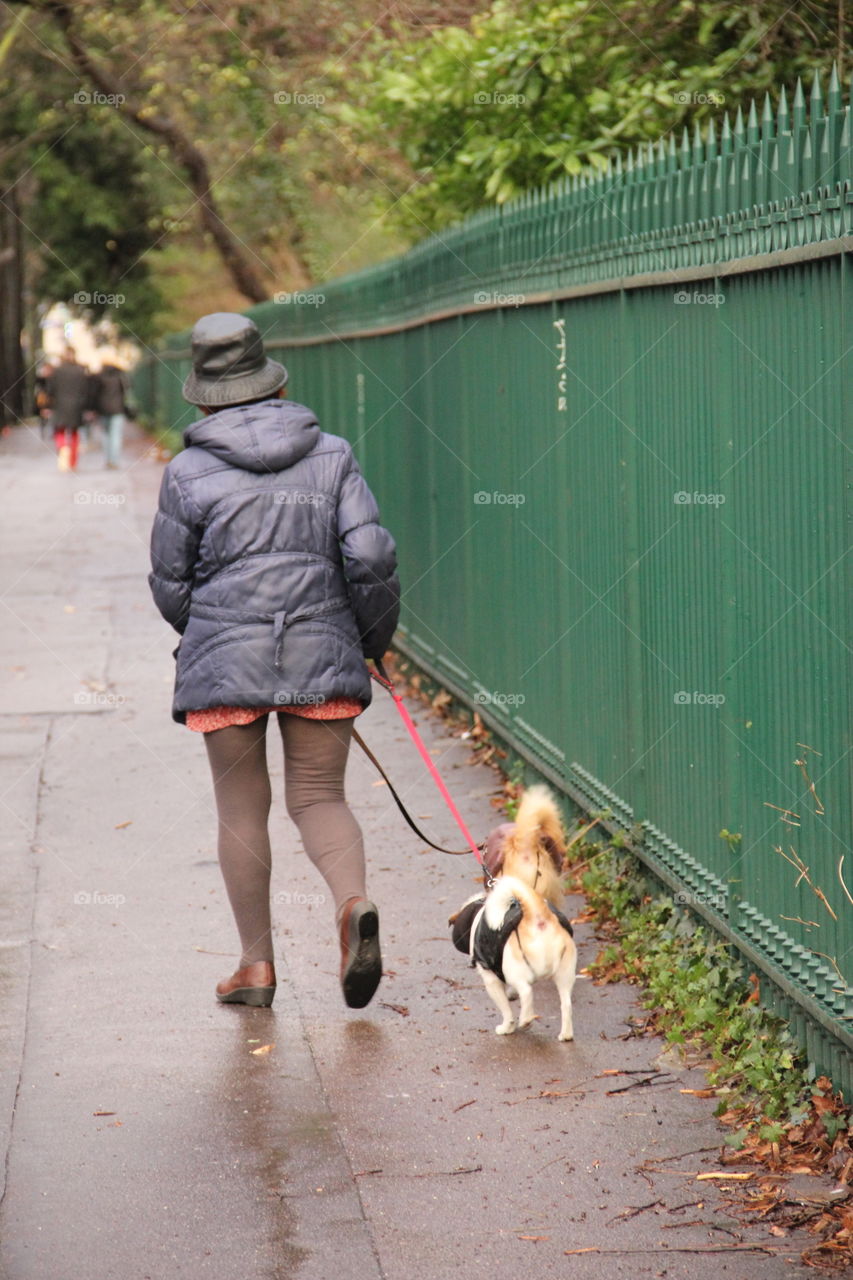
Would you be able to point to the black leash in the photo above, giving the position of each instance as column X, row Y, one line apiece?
column 384, row 679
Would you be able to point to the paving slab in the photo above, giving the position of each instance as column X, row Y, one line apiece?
column 143, row 1135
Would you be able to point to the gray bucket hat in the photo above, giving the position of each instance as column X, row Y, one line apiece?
column 229, row 363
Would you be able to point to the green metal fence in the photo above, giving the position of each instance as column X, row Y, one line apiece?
column 607, row 426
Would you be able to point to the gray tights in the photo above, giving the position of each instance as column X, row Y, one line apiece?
column 315, row 756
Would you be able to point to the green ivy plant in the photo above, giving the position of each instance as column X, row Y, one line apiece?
column 698, row 992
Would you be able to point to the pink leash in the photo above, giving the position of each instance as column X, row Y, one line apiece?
column 383, row 679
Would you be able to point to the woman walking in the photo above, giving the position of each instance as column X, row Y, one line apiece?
column 268, row 558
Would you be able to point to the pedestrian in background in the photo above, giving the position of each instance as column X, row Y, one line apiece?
column 110, row 402
column 269, row 559
column 68, row 390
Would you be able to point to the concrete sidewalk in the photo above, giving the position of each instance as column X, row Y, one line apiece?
column 145, row 1137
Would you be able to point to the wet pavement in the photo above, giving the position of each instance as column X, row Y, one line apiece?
column 149, row 1132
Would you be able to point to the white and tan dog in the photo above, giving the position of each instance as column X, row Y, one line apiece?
column 517, row 938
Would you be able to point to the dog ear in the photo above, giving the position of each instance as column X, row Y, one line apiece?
column 555, row 851
column 461, row 921
column 493, row 856
column 564, row 921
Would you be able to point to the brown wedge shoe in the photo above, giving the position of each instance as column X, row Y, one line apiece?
column 253, row 985
column 361, row 962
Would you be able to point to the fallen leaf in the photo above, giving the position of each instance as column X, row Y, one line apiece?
column 533, row 1237
column 700, row 1093
column 103, row 1113
column 120, row 826
column 265, row 1048
column 732, row 1177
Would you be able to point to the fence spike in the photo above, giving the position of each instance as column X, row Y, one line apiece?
column 726, row 136
column 767, row 121
column 698, row 145
column 798, row 110
column 752, row 125
column 808, row 162
column 660, row 157
column 740, row 128
column 816, row 98
column 685, row 148
column 833, row 97
column 712, row 140
column 783, row 116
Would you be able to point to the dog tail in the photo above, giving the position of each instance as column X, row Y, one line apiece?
column 538, row 822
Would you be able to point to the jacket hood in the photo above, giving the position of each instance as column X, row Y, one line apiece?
column 257, row 437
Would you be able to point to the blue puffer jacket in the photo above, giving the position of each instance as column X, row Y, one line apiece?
column 268, row 558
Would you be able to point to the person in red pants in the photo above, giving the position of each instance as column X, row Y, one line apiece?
column 68, row 389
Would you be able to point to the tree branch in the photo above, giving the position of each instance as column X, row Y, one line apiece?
column 233, row 254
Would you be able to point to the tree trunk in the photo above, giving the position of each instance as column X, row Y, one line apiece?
column 13, row 390
column 236, row 257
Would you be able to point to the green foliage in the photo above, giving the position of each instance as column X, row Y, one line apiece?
column 698, row 993
column 92, row 201
column 96, row 220
column 530, row 92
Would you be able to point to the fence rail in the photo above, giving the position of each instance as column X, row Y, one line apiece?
column 607, row 425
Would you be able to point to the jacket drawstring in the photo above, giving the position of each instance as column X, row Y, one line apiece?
column 279, row 624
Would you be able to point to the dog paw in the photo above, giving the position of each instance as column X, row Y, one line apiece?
column 505, row 1029
column 570, row 1035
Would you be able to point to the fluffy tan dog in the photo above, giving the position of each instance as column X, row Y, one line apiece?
column 517, row 938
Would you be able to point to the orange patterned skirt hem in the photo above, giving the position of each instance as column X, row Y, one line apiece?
column 213, row 718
